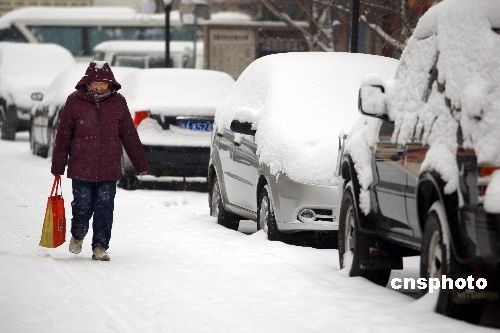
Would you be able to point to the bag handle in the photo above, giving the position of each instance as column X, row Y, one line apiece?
column 56, row 185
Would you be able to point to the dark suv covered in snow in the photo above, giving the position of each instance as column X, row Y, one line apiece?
column 422, row 172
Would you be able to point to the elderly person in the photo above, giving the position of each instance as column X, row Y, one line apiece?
column 94, row 125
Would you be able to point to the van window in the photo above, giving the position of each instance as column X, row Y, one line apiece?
column 12, row 34
column 68, row 37
column 97, row 35
column 129, row 61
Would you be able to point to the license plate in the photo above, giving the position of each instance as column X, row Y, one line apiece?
column 196, row 125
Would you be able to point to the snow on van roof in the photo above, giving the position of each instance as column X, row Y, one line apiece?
column 178, row 92
column 299, row 104
column 80, row 14
column 133, row 46
column 64, row 84
column 27, row 68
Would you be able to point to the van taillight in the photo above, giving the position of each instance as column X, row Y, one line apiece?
column 140, row 116
column 485, row 173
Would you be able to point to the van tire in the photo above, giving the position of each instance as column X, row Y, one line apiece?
column 434, row 256
column 354, row 246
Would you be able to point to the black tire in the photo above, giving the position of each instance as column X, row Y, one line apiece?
column 353, row 245
column 128, row 182
column 51, row 136
column 224, row 218
column 265, row 216
column 34, row 146
column 434, row 264
column 8, row 122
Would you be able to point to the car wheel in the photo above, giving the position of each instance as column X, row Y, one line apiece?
column 34, row 147
column 353, row 245
column 8, row 122
column 265, row 216
column 224, row 218
column 128, row 182
column 51, row 134
column 437, row 260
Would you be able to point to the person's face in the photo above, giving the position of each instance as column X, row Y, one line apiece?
column 99, row 86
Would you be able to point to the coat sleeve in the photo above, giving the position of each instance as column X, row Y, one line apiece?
column 131, row 142
column 63, row 139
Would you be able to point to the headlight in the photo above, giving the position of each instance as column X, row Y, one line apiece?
column 307, row 215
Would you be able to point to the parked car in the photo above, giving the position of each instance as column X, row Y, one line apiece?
column 422, row 176
column 45, row 113
column 24, row 69
column 149, row 54
column 275, row 146
column 173, row 110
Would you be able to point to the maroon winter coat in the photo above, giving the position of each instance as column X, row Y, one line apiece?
column 91, row 133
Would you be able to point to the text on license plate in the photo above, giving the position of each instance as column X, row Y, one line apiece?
column 196, row 125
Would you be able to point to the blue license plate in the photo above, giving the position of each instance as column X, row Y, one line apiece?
column 196, row 125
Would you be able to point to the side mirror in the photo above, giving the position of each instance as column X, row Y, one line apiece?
column 371, row 101
column 242, row 127
column 37, row 96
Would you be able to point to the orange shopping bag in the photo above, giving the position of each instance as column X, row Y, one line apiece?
column 54, row 224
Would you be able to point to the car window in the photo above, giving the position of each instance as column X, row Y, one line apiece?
column 386, row 131
column 12, row 34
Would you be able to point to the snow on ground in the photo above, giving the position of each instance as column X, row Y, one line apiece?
column 173, row 269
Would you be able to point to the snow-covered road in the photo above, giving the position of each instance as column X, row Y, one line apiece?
column 173, row 269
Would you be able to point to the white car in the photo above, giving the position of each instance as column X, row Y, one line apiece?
column 173, row 110
column 24, row 69
column 274, row 155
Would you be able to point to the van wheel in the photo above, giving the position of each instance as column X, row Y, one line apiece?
column 265, row 216
column 354, row 246
column 224, row 218
column 8, row 122
column 434, row 264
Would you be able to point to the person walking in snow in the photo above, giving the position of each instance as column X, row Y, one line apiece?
column 94, row 125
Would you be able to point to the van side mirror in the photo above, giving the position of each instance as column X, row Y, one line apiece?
column 371, row 101
column 242, row 127
column 37, row 96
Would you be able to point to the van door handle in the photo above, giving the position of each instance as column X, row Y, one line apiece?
column 237, row 144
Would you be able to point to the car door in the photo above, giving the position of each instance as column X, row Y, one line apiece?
column 246, row 173
column 390, row 182
column 225, row 146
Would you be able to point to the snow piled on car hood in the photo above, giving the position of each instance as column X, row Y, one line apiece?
column 27, row 68
column 176, row 92
column 299, row 104
column 463, row 33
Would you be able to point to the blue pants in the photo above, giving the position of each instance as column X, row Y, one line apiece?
column 93, row 198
